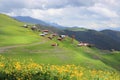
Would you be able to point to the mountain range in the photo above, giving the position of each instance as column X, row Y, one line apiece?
column 105, row 39
column 37, row 21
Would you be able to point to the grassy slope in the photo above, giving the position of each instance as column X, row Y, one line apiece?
column 65, row 53
column 12, row 33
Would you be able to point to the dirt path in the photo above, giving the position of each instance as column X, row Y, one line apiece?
column 3, row 49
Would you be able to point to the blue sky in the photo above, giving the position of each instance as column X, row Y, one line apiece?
column 93, row 14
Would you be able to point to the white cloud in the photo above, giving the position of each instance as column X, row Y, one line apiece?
column 103, row 11
column 97, row 14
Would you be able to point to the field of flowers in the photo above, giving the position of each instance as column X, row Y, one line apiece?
column 11, row 69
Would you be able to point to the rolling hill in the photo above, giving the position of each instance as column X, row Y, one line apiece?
column 24, row 44
column 11, row 32
column 75, row 28
column 50, row 28
column 106, row 39
column 113, row 34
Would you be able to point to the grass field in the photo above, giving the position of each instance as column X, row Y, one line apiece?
column 11, row 32
column 22, row 45
column 44, row 53
column 28, row 70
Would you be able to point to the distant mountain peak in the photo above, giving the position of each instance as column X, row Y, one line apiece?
column 76, row 28
column 29, row 19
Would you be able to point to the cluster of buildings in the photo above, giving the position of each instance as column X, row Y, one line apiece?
column 59, row 37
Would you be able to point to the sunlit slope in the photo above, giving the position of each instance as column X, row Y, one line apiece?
column 40, row 50
column 11, row 32
column 65, row 53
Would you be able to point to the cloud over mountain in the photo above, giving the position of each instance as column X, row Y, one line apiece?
column 97, row 14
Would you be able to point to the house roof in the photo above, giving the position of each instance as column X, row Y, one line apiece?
column 45, row 30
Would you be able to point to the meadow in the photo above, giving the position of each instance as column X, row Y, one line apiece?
column 12, row 69
column 24, row 55
column 12, row 33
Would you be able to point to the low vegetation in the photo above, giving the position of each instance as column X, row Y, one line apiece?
column 27, row 55
column 12, row 69
column 11, row 32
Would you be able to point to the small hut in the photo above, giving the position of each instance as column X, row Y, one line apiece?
column 45, row 32
column 42, row 35
column 53, row 35
column 55, row 44
column 60, row 39
column 34, row 28
column 25, row 26
column 84, row 44
column 50, row 37
column 62, row 36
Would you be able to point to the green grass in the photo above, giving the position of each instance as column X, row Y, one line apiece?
column 77, row 29
column 63, row 54
column 11, row 33
column 12, row 69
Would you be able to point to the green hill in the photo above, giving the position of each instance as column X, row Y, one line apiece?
column 77, row 29
column 24, row 44
column 12, row 33
column 113, row 34
column 106, row 40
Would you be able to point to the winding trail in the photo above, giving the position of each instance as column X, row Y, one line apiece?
column 3, row 49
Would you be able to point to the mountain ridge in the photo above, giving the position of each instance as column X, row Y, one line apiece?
column 101, row 39
column 37, row 21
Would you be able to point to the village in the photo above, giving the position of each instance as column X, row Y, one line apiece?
column 45, row 33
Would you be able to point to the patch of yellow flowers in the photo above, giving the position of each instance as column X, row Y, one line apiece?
column 15, row 70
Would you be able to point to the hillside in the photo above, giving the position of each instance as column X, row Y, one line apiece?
column 106, row 40
column 50, row 28
column 11, row 32
column 113, row 34
column 24, row 44
column 77, row 29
